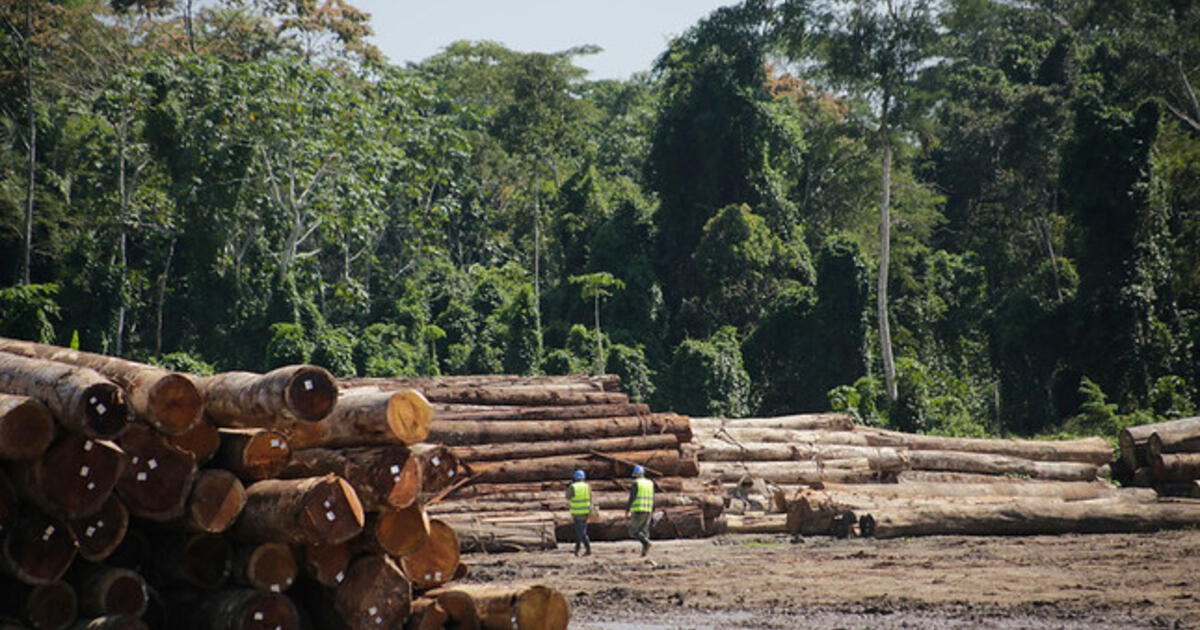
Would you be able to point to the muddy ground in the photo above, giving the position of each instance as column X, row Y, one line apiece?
column 753, row 582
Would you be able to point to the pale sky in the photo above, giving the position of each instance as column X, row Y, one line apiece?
column 632, row 32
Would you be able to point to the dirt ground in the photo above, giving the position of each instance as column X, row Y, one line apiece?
column 757, row 582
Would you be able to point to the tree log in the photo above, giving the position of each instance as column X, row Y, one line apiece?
column 588, row 382
column 1177, row 437
column 856, row 470
column 427, row 614
column 394, row 532
column 459, row 607
column 459, row 433
column 327, row 563
column 1133, row 440
column 155, row 483
column 434, row 562
column 881, row 458
column 105, row 591
column 690, row 485
column 300, row 511
column 201, row 560
column 75, row 476
column 268, row 566
column 253, row 454
column 81, row 400
column 246, row 609
column 711, row 504
column 37, row 549
column 168, row 401
column 619, row 464
column 1036, row 517
column 1000, row 465
column 526, row 396
column 52, row 606
column 801, row 422
column 371, row 419
column 1176, row 467
column 518, row 450
column 756, row 524
column 99, row 534
column 202, row 440
column 686, row 521
column 383, row 476
column 26, row 427
column 8, row 501
column 1064, row 490
column 534, row 607
column 1093, row 450
column 475, row 536
column 216, row 500
column 110, row 622
column 246, row 399
column 443, row 412
column 375, row 594
column 440, row 467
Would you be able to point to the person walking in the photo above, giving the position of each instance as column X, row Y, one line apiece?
column 640, row 507
column 579, row 497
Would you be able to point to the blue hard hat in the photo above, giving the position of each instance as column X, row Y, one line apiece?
column 638, row 471
column 579, row 476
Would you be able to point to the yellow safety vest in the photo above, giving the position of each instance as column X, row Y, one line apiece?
column 581, row 498
column 643, row 501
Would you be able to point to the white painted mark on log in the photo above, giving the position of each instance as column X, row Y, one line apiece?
column 141, row 476
column 274, row 442
column 258, row 616
column 378, row 620
column 436, row 461
column 341, row 575
column 308, row 385
column 100, row 409
column 452, row 473
column 438, row 576
column 136, row 459
column 84, row 470
column 275, row 588
column 328, row 504
column 99, row 523
column 91, row 485
column 92, row 400
column 372, row 610
column 48, row 533
column 87, row 446
column 331, row 516
column 90, row 531
column 153, row 463
column 395, row 469
column 396, row 479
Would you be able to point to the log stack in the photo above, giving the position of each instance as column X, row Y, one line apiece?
column 131, row 496
column 821, row 474
column 517, row 441
column 1162, row 455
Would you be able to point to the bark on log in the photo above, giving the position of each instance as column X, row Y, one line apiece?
column 444, row 412
column 375, row 594
column 881, row 458
column 756, row 524
column 801, row 422
column 427, row 614
column 495, row 452
column 326, row 563
column 200, row 560
column 689, row 485
column 269, row 566
column 935, row 476
column 394, row 532
column 460, row 609
column 202, row 440
column 26, row 427
column 300, row 511
column 599, row 382
column 459, row 433
column 247, row 399
column 246, row 609
column 81, row 400
column 253, row 454
column 474, row 535
column 110, row 622
column 711, row 504
column 505, row 607
column 1000, row 465
column 379, row 419
column 526, row 397
column 789, row 436
column 1094, row 450
column 216, row 500
column 620, row 464
column 168, row 400
column 105, row 591
column 155, row 483
column 1133, row 440
column 75, row 476
column 384, row 477
column 1178, row 438
column 1176, row 467
column 1064, row 490
column 434, row 562
column 99, row 534
column 37, row 549
column 670, row 523
column 857, row 470
column 52, row 606
column 440, row 467
column 1033, row 517
column 8, row 501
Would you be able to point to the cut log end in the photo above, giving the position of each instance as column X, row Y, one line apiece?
column 207, row 560
column 216, row 500
column 251, row 610
column 105, row 413
column 155, row 484
column 400, row 532
column 375, row 594
column 436, row 561
column 409, row 415
column 541, row 608
column 327, row 563
column 270, row 567
column 175, row 404
column 202, row 440
column 26, row 427
column 113, row 591
column 52, row 605
column 38, row 549
column 99, row 534
column 77, row 474
column 332, row 512
column 311, row 393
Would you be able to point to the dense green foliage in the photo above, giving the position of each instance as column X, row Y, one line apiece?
column 252, row 185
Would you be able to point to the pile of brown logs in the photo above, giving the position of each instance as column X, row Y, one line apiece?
column 520, row 439
column 135, row 497
column 821, row 474
column 1163, row 455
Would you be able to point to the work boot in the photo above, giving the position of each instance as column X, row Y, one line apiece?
column 587, row 551
column 576, row 552
column 645, row 547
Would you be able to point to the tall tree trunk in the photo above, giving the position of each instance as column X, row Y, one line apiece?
column 27, row 262
column 599, row 344
column 885, row 252
column 162, row 298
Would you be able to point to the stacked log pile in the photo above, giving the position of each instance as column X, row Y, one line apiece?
column 1162, row 455
column 135, row 497
column 519, row 439
column 819, row 474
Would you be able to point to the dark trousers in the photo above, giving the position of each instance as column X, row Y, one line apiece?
column 639, row 527
column 581, row 533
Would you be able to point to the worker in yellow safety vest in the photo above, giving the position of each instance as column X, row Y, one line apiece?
column 641, row 506
column 579, row 497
